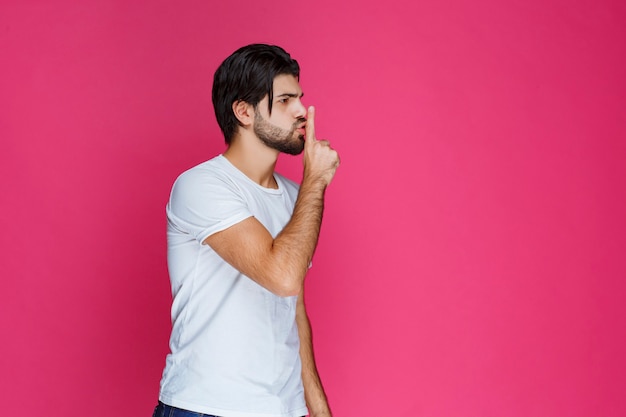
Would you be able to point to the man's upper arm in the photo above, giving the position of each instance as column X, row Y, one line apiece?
column 247, row 246
column 211, row 208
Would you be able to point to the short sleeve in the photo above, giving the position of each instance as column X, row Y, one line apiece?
column 203, row 203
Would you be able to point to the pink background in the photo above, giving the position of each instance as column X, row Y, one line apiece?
column 472, row 260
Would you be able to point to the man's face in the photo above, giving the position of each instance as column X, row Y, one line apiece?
column 283, row 130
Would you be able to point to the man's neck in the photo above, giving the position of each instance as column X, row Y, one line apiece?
column 254, row 159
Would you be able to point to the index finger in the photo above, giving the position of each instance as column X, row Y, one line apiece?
column 310, row 124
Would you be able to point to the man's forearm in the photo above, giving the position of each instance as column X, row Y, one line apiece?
column 294, row 246
column 281, row 263
column 313, row 389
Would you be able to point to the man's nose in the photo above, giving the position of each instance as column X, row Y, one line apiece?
column 300, row 110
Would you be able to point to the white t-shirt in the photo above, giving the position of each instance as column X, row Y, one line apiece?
column 234, row 344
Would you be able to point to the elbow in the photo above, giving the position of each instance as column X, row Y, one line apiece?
column 287, row 284
column 287, row 289
column 284, row 280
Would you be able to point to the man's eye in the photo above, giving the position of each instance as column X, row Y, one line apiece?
column 283, row 100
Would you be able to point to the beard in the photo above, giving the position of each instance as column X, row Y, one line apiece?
column 286, row 141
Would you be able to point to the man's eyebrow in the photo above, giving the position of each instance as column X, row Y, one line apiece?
column 291, row 95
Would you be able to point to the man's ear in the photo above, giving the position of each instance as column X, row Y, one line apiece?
column 244, row 112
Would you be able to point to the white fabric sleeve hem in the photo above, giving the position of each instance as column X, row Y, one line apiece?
column 223, row 225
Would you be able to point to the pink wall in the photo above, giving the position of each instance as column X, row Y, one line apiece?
column 472, row 261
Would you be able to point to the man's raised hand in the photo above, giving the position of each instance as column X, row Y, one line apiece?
column 320, row 160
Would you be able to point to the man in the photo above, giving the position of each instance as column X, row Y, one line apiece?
column 240, row 242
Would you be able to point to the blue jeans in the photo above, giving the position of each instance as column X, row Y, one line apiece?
column 164, row 410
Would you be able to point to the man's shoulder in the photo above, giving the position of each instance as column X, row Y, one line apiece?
column 208, row 176
column 215, row 164
column 213, row 168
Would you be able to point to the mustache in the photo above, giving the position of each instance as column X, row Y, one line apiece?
column 299, row 122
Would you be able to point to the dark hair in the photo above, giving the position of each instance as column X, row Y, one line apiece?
column 248, row 75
